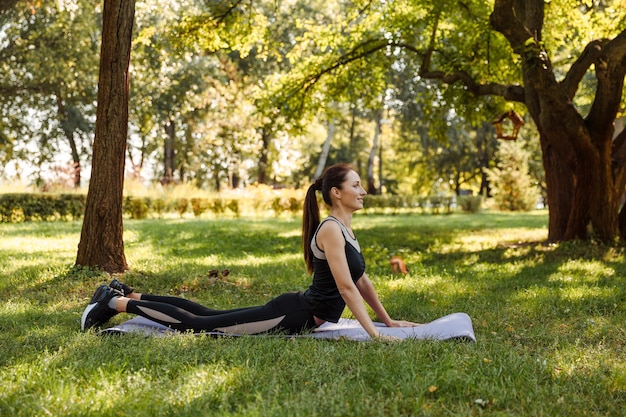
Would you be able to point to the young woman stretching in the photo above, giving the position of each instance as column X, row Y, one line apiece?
column 331, row 253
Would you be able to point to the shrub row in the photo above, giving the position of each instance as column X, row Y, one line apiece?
column 434, row 204
column 143, row 207
column 15, row 208
column 20, row 207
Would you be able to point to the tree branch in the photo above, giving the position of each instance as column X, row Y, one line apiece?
column 509, row 92
column 223, row 9
column 616, row 48
column 578, row 69
column 508, row 19
column 610, row 68
column 359, row 51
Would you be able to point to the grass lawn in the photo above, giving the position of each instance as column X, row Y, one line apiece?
column 549, row 320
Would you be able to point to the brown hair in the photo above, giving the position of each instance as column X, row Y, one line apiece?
column 333, row 176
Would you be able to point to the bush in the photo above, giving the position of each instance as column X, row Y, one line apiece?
column 395, row 203
column 71, row 206
column 181, row 206
column 138, row 208
column 233, row 206
column 159, row 206
column 217, row 206
column 470, row 203
column 199, row 206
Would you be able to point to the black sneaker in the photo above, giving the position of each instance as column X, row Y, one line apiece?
column 121, row 287
column 98, row 311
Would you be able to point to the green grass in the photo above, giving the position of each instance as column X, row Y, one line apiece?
column 549, row 320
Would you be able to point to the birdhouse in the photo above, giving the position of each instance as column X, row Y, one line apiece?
column 508, row 125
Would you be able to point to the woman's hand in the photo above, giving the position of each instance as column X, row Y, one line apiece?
column 402, row 323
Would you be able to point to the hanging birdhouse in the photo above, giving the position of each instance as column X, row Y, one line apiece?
column 508, row 125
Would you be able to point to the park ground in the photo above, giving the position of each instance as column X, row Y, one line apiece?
column 549, row 322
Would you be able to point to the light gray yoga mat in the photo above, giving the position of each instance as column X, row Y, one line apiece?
column 452, row 326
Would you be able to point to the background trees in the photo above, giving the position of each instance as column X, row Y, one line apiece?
column 48, row 73
column 545, row 70
column 230, row 93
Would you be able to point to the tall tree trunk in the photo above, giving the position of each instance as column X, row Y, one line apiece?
column 264, row 157
column 168, row 153
column 371, row 186
column 582, row 186
column 486, row 156
column 321, row 163
column 101, row 241
column 69, row 134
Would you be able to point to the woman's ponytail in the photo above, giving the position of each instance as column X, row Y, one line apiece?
column 310, row 221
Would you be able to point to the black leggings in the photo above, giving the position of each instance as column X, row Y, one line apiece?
column 284, row 313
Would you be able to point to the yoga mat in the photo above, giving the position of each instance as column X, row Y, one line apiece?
column 453, row 326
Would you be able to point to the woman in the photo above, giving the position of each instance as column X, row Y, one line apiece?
column 331, row 253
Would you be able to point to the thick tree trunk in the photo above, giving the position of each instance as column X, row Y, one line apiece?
column 583, row 189
column 560, row 186
column 101, row 242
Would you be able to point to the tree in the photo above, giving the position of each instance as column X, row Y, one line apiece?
column 171, row 76
column 48, row 70
column 541, row 57
column 585, row 166
column 101, row 241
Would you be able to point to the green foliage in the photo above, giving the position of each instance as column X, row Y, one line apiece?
column 233, row 206
column 511, row 183
column 548, row 318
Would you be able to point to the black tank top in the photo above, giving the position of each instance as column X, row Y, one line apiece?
column 322, row 297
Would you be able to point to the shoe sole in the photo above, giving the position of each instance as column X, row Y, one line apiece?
column 86, row 314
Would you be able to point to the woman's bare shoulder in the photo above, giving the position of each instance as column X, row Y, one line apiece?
column 329, row 233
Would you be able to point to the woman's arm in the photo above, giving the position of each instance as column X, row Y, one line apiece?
column 366, row 288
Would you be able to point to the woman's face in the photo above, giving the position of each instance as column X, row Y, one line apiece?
column 352, row 191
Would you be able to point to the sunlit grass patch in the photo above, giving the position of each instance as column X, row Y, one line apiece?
column 479, row 240
column 575, row 270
